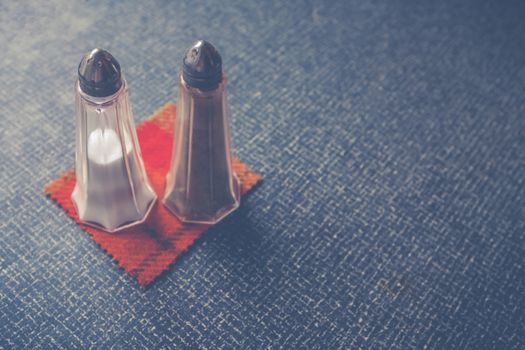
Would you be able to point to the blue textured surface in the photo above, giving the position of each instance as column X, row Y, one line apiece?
column 391, row 135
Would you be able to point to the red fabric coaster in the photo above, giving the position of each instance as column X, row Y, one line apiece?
column 146, row 250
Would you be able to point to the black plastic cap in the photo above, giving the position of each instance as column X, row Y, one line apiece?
column 202, row 66
column 99, row 74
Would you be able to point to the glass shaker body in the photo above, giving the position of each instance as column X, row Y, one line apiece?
column 112, row 191
column 201, row 186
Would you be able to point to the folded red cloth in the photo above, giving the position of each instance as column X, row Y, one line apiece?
column 144, row 251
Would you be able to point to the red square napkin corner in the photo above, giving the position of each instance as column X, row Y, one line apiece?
column 146, row 250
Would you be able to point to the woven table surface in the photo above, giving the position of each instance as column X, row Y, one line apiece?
column 391, row 139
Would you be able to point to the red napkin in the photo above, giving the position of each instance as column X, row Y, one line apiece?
column 146, row 250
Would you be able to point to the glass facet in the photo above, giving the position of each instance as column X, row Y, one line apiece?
column 201, row 186
column 112, row 191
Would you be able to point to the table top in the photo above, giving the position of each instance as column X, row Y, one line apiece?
column 391, row 138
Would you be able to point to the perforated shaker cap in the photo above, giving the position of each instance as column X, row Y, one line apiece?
column 99, row 74
column 202, row 66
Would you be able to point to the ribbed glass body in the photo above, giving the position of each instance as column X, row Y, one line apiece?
column 112, row 191
column 201, row 186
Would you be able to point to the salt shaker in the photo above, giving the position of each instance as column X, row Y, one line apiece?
column 112, row 191
column 201, row 186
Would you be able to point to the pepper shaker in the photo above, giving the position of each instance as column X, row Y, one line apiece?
column 201, row 186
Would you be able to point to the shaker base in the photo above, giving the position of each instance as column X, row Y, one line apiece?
column 208, row 218
column 122, row 227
